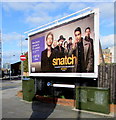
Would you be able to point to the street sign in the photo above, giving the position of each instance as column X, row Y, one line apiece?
column 22, row 57
column 49, row 84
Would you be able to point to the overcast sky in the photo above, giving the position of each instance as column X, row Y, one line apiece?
column 18, row 17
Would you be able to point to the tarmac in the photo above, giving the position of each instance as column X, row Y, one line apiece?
column 14, row 108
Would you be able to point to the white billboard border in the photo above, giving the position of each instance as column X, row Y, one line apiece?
column 96, row 49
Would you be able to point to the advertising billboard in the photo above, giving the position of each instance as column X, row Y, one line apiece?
column 69, row 48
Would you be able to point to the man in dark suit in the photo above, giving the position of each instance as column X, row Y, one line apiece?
column 89, row 39
column 69, row 46
column 47, row 55
column 83, row 51
column 87, row 35
column 59, row 49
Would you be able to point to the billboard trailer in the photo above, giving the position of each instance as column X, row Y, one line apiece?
column 65, row 53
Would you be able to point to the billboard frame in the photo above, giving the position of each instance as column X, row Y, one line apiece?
column 96, row 49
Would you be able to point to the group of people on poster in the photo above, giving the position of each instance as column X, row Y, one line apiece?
column 81, row 50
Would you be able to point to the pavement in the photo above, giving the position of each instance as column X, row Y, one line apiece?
column 10, row 78
column 14, row 107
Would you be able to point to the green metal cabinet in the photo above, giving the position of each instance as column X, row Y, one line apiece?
column 93, row 99
column 28, row 89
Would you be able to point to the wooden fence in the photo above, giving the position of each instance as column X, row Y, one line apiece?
column 107, row 79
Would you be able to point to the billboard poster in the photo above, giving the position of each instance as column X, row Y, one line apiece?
column 37, row 45
column 66, row 48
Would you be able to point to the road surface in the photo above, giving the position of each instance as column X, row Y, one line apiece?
column 14, row 107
